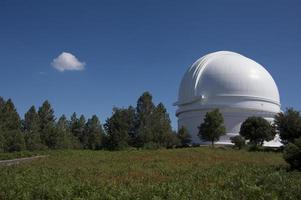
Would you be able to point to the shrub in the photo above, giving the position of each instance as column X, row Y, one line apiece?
column 151, row 145
column 292, row 154
column 238, row 141
column 257, row 130
column 212, row 127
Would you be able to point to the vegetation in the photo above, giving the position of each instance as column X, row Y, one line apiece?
column 187, row 173
column 257, row 130
column 292, row 154
column 212, row 127
column 146, row 126
column 288, row 125
column 238, row 141
column 184, row 136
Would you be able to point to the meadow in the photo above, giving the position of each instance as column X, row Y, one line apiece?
column 188, row 173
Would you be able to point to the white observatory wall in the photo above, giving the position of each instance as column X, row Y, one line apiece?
column 233, row 119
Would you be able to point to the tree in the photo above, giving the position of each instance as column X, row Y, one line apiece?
column 160, row 126
column 288, row 124
column 2, row 138
column 93, row 134
column 13, row 139
column 10, row 117
column 257, row 130
column 31, row 130
column 77, row 127
column 119, row 128
column 212, row 127
column 292, row 154
column 47, row 125
column 144, row 110
column 238, row 141
column 64, row 139
column 184, row 136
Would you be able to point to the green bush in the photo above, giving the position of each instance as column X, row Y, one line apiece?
column 238, row 141
column 151, row 146
column 292, row 154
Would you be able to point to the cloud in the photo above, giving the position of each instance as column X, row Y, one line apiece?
column 67, row 61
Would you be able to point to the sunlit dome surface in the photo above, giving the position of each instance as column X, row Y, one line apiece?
column 229, row 75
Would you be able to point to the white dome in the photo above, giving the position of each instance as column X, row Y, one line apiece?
column 228, row 79
column 238, row 86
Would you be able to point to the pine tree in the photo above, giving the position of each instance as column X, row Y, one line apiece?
column 31, row 130
column 47, row 125
column 64, row 139
column 119, row 128
column 11, row 128
column 160, row 126
column 93, row 134
column 77, row 127
column 145, row 108
column 212, row 127
column 2, row 138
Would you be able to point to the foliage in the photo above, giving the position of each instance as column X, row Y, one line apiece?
column 238, row 141
column 212, row 127
column 11, row 137
column 47, row 130
column 257, row 130
column 119, row 128
column 288, row 125
column 292, row 154
column 161, row 128
column 187, row 173
column 31, row 130
column 145, row 108
column 184, row 136
column 64, row 136
column 93, row 134
column 14, row 141
column 77, row 127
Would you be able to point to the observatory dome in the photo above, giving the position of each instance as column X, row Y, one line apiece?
column 237, row 85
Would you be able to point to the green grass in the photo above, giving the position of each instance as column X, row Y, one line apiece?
column 192, row 173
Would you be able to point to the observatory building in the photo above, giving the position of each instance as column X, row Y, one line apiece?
column 238, row 86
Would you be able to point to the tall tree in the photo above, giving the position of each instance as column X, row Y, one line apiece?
column 2, row 138
column 144, row 109
column 77, row 127
column 31, row 129
column 47, row 125
column 160, row 126
column 257, row 130
column 93, row 134
column 288, row 124
column 212, row 127
column 184, row 136
column 11, row 128
column 119, row 128
column 64, row 139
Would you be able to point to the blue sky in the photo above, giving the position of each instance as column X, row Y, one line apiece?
column 133, row 46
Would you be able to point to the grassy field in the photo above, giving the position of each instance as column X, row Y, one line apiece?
column 192, row 173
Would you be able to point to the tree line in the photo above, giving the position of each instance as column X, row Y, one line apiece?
column 145, row 126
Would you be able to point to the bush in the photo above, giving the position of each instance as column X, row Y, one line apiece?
column 151, row 146
column 257, row 130
column 292, row 154
column 238, row 141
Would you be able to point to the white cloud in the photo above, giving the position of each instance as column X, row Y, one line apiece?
column 67, row 61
